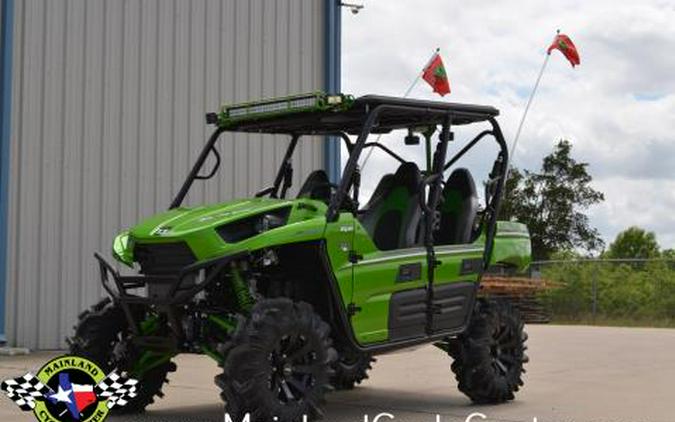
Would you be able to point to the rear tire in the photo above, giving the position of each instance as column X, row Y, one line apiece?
column 489, row 356
column 351, row 369
column 279, row 364
column 99, row 331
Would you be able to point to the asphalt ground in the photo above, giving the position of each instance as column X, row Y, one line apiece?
column 576, row 373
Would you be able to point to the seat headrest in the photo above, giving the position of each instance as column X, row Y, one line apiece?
column 315, row 179
column 461, row 181
column 409, row 176
column 381, row 189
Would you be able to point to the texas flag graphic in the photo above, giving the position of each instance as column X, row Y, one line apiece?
column 76, row 397
column 115, row 390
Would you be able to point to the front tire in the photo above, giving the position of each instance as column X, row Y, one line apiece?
column 279, row 364
column 100, row 332
column 490, row 355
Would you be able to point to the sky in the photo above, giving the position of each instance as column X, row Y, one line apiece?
column 617, row 108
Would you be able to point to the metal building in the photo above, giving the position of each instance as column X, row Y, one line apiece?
column 102, row 112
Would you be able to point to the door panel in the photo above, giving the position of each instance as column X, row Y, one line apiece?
column 407, row 314
column 407, row 309
column 389, row 291
column 452, row 303
column 377, row 277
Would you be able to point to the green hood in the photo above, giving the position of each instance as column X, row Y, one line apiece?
column 198, row 227
column 181, row 222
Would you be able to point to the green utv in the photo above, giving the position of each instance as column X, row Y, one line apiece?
column 293, row 296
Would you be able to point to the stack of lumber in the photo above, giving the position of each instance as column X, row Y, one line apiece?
column 523, row 293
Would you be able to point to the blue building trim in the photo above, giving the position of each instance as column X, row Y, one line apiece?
column 5, row 118
column 333, row 52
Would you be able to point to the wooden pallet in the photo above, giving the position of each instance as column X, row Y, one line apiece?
column 523, row 293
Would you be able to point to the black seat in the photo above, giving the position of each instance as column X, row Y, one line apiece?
column 316, row 186
column 392, row 214
column 458, row 209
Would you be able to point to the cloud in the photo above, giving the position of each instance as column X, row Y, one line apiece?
column 632, row 204
column 617, row 108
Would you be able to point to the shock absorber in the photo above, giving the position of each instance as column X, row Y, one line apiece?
column 241, row 290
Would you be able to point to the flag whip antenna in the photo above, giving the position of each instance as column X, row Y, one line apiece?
column 405, row 95
column 512, row 151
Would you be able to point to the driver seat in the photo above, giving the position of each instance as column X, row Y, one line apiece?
column 316, row 186
column 458, row 209
column 393, row 213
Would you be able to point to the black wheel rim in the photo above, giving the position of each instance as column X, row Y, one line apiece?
column 504, row 349
column 293, row 368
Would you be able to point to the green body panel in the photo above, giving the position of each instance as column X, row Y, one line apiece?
column 512, row 246
column 197, row 226
column 339, row 237
column 368, row 284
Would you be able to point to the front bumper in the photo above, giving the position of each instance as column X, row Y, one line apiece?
column 178, row 291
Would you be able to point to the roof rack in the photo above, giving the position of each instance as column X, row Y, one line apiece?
column 321, row 113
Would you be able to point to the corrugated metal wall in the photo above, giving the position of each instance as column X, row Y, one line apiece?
column 108, row 114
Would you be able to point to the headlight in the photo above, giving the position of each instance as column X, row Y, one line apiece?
column 123, row 249
column 251, row 226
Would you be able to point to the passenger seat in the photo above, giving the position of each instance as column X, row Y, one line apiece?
column 458, row 209
column 392, row 214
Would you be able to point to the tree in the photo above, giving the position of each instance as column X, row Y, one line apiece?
column 552, row 203
column 634, row 243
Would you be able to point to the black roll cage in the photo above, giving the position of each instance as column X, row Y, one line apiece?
column 433, row 179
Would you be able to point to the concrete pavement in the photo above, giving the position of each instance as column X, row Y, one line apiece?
column 581, row 374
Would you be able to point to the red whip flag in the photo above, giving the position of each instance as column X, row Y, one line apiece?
column 435, row 75
column 563, row 43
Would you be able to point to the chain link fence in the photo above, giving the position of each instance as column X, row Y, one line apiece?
column 608, row 291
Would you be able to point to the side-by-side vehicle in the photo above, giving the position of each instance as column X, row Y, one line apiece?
column 293, row 296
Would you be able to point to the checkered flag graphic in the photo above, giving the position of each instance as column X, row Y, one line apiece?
column 116, row 389
column 24, row 391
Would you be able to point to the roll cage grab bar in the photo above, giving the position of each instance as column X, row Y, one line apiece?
column 433, row 180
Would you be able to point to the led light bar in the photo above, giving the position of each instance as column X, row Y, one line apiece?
column 317, row 101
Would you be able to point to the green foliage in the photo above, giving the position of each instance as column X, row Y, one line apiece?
column 552, row 203
column 634, row 242
column 644, row 292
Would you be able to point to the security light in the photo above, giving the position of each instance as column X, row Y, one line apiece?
column 354, row 8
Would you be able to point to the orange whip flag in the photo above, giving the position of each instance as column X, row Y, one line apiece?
column 435, row 75
column 564, row 44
